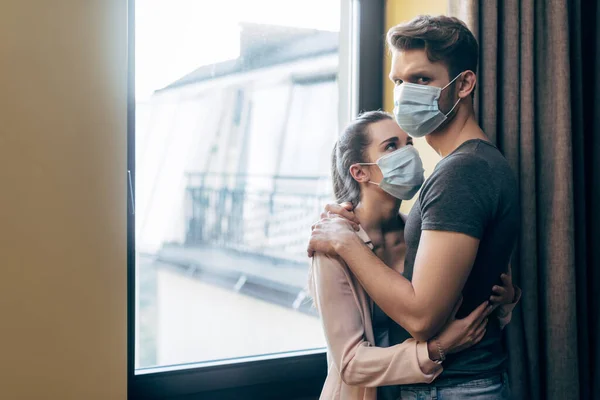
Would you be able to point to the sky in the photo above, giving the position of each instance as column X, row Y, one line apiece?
column 174, row 37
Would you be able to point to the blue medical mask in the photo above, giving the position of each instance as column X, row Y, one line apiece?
column 417, row 110
column 403, row 172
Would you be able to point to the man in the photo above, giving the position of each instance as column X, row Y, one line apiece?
column 462, row 229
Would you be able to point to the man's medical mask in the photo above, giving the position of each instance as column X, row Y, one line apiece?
column 417, row 110
column 403, row 172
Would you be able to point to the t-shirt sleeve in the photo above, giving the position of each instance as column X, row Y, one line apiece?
column 459, row 196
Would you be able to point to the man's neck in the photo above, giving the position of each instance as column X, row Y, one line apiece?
column 461, row 128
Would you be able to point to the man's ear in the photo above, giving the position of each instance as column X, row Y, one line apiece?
column 467, row 84
column 360, row 173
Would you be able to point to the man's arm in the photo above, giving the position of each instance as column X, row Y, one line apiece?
column 443, row 263
column 456, row 204
column 358, row 362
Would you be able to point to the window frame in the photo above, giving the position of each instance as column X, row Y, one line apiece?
column 293, row 375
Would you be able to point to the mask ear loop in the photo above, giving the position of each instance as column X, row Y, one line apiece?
column 452, row 81
column 458, row 101
column 366, row 163
column 453, row 107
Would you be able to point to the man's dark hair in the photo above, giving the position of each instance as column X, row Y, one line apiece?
column 445, row 39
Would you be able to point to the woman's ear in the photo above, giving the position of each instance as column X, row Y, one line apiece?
column 467, row 84
column 359, row 173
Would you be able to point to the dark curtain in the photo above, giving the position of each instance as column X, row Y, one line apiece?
column 538, row 98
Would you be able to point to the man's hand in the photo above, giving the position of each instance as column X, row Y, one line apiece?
column 343, row 210
column 328, row 233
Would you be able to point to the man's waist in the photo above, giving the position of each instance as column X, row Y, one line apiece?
column 486, row 357
column 442, row 382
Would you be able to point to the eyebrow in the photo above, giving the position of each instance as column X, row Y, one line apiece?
column 419, row 72
column 392, row 139
column 410, row 75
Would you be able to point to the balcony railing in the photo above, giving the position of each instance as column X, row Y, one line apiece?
column 265, row 215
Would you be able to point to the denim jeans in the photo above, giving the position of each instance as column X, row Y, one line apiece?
column 492, row 388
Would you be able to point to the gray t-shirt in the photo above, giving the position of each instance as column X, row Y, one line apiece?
column 471, row 191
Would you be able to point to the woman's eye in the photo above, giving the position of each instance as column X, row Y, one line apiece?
column 391, row 146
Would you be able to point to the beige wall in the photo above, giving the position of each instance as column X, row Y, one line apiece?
column 398, row 11
column 63, row 199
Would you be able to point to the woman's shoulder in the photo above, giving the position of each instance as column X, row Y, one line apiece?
column 325, row 261
column 333, row 276
column 330, row 271
column 365, row 237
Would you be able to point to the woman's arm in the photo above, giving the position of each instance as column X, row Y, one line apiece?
column 358, row 362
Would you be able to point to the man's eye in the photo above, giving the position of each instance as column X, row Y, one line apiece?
column 423, row 80
column 398, row 82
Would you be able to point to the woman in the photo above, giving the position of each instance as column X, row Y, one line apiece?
column 356, row 368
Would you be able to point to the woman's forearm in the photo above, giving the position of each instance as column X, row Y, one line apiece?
column 433, row 351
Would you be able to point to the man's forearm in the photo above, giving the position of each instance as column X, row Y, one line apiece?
column 388, row 288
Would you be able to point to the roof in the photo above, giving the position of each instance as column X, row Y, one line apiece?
column 263, row 46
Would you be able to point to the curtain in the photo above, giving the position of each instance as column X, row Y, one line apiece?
column 538, row 99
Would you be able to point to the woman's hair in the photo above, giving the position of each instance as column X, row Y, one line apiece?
column 350, row 149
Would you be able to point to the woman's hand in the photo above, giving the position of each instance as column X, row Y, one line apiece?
column 460, row 334
column 344, row 210
column 504, row 294
column 505, row 297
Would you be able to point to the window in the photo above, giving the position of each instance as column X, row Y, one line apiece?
column 234, row 112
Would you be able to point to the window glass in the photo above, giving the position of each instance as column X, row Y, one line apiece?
column 236, row 116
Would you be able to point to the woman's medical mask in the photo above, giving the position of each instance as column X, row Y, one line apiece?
column 417, row 110
column 402, row 172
